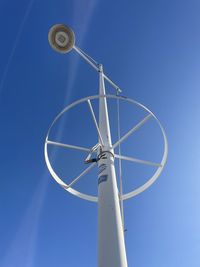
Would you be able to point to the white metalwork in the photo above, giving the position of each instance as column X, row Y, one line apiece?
column 130, row 194
column 111, row 245
column 120, row 162
column 95, row 122
column 132, row 130
column 96, row 67
column 145, row 162
column 67, row 146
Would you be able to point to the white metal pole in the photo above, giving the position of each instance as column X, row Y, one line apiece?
column 111, row 245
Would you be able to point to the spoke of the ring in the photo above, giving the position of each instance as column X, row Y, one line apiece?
column 145, row 162
column 95, row 122
column 80, row 175
column 68, row 146
column 132, row 130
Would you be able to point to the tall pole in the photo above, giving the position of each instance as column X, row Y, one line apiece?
column 111, row 245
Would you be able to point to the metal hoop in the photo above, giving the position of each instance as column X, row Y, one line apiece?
column 131, row 194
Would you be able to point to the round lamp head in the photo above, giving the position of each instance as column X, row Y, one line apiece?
column 61, row 38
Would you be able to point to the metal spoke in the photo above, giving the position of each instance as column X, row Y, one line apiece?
column 67, row 146
column 145, row 162
column 132, row 130
column 80, row 175
column 95, row 122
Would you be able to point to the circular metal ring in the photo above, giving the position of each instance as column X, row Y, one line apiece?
column 131, row 194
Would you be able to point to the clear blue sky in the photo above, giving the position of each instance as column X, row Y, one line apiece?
column 152, row 50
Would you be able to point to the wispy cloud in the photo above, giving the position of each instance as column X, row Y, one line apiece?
column 23, row 247
column 17, row 39
column 83, row 11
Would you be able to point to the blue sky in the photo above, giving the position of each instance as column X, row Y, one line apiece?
column 151, row 49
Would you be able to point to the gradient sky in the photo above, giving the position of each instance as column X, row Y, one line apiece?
column 151, row 49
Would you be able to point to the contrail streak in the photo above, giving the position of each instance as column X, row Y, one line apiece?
column 23, row 247
column 82, row 20
column 19, row 33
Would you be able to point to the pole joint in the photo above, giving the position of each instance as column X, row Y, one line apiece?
column 100, row 68
column 102, row 155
